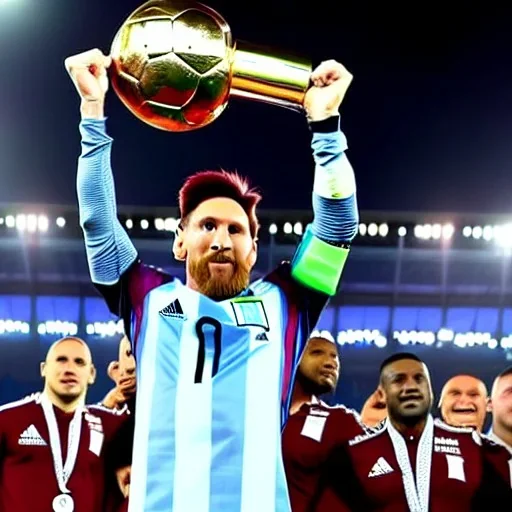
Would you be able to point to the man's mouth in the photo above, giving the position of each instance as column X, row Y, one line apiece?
column 69, row 382
column 221, row 258
column 329, row 374
column 127, row 381
column 465, row 410
column 411, row 400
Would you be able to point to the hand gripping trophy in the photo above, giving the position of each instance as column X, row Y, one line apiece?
column 175, row 65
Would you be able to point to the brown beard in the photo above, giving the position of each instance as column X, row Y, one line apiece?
column 217, row 289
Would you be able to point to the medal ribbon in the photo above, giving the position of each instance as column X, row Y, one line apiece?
column 417, row 492
column 62, row 469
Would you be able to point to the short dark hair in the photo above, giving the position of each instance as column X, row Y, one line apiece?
column 400, row 356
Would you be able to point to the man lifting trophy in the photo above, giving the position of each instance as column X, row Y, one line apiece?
column 216, row 354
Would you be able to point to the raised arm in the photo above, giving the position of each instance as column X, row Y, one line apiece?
column 319, row 260
column 110, row 252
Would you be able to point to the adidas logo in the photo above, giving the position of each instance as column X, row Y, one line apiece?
column 261, row 336
column 31, row 437
column 381, row 467
column 173, row 310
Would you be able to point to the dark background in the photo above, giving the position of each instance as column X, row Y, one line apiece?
column 428, row 116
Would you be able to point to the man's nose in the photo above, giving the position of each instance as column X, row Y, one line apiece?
column 221, row 240
column 465, row 400
column 330, row 364
column 411, row 385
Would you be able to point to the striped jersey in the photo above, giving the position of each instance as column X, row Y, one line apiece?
column 213, row 388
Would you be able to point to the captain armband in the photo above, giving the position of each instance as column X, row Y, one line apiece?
column 318, row 264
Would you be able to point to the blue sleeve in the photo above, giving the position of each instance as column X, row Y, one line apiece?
column 110, row 251
column 335, row 220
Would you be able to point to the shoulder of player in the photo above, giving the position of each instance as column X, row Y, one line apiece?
column 152, row 273
column 491, row 446
column 341, row 411
column 102, row 411
column 371, row 434
column 441, row 428
column 20, row 405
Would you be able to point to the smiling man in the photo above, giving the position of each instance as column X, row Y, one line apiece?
column 53, row 448
column 463, row 402
column 415, row 463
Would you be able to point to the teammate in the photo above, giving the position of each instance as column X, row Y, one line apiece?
column 216, row 355
column 415, row 463
column 463, row 402
column 501, row 408
column 314, row 429
column 55, row 452
column 122, row 372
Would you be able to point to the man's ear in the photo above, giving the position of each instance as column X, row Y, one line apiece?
column 253, row 256
column 178, row 247
column 92, row 376
column 113, row 370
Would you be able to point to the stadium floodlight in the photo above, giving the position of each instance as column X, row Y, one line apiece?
column 503, row 235
column 448, row 231
column 383, row 230
column 159, row 224
column 42, row 223
column 171, row 224
column 373, row 229
column 477, row 232
column 466, row 232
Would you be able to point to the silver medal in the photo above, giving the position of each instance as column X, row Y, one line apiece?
column 63, row 503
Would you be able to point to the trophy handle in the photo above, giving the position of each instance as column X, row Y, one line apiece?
column 259, row 74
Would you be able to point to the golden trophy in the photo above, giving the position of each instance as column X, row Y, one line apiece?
column 175, row 65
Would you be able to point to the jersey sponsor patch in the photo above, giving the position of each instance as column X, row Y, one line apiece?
column 314, row 427
column 249, row 311
column 95, row 442
column 455, row 467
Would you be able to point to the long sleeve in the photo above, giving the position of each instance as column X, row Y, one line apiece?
column 334, row 192
column 110, row 251
column 320, row 257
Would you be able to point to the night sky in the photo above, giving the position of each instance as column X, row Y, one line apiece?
column 428, row 116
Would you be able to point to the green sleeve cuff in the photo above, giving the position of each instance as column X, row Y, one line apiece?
column 318, row 264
